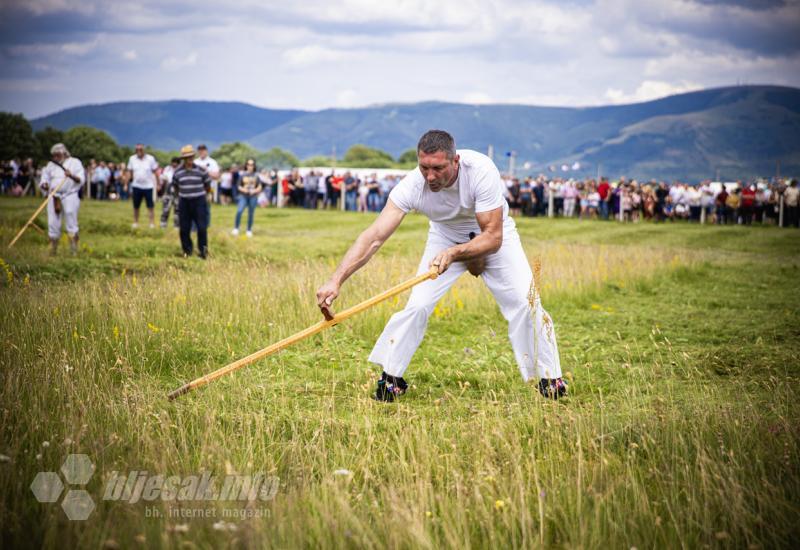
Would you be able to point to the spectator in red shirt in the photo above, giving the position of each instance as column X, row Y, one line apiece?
column 748, row 204
column 721, row 202
column 603, row 190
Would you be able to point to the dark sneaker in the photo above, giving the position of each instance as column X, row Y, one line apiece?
column 390, row 387
column 553, row 388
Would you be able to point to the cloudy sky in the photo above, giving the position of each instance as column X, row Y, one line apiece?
column 315, row 54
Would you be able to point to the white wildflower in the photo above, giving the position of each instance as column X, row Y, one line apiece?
column 224, row 526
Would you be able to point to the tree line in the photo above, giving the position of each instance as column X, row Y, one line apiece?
column 18, row 140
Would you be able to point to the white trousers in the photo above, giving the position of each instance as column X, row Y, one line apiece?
column 508, row 276
column 569, row 207
column 70, row 205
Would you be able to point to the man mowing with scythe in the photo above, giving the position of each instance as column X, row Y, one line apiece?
column 62, row 179
column 470, row 230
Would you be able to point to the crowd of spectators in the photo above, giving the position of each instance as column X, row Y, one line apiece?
column 18, row 176
column 631, row 201
column 367, row 191
column 315, row 188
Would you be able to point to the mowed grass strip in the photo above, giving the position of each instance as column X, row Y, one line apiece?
column 680, row 430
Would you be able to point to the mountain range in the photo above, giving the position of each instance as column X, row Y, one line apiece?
column 730, row 133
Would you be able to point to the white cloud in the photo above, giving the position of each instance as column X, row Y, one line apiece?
column 177, row 63
column 649, row 90
column 310, row 55
column 28, row 85
column 40, row 49
column 346, row 98
column 404, row 13
column 735, row 64
column 437, row 41
column 80, row 48
column 561, row 20
column 360, row 52
column 43, row 7
column 477, row 98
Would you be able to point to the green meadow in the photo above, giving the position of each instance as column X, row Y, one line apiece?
column 681, row 429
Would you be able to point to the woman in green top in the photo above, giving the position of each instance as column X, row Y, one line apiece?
column 249, row 188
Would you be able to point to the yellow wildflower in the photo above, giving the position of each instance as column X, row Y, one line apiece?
column 9, row 273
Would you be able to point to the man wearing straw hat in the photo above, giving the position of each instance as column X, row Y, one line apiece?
column 192, row 183
column 62, row 179
column 470, row 230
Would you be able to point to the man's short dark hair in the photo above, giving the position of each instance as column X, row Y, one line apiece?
column 434, row 141
column 202, row 146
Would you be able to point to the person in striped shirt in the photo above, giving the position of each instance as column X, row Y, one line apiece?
column 192, row 183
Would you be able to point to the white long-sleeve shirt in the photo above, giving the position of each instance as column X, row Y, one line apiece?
column 53, row 175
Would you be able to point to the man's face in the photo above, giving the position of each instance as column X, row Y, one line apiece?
column 139, row 151
column 58, row 157
column 203, row 153
column 438, row 170
column 188, row 162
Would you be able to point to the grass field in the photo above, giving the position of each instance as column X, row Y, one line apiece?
column 681, row 428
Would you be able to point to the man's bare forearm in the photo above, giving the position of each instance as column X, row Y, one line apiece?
column 482, row 245
column 365, row 246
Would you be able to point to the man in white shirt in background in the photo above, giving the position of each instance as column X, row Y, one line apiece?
column 694, row 198
column 386, row 186
column 322, row 189
column 791, row 203
column 209, row 165
column 62, row 179
column 100, row 178
column 707, row 200
column 143, row 168
column 462, row 194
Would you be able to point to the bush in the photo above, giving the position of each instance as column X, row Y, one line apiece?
column 318, row 160
column 362, row 156
column 87, row 143
column 233, row 153
column 408, row 157
column 45, row 139
column 16, row 137
column 278, row 158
